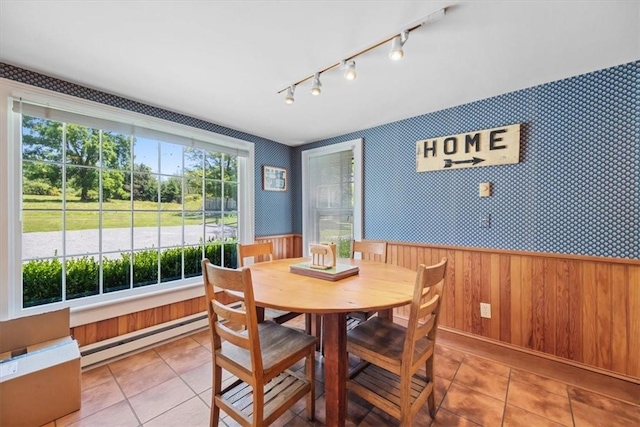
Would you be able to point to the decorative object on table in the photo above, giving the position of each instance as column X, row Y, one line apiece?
column 333, row 274
column 323, row 264
column 274, row 178
column 334, row 250
column 322, row 255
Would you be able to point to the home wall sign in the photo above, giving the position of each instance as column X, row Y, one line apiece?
column 489, row 147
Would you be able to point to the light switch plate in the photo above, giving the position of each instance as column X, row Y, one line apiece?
column 484, row 189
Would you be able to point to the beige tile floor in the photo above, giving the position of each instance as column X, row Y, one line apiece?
column 170, row 385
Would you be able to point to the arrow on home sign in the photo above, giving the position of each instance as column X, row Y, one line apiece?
column 448, row 162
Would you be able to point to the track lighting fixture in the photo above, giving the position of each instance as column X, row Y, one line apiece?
column 398, row 41
column 349, row 68
column 348, row 65
column 289, row 98
column 316, row 86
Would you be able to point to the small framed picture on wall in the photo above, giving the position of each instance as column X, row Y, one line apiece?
column 274, row 178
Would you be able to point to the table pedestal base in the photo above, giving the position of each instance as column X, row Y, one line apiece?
column 335, row 368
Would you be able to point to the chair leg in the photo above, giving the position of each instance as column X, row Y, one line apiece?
column 311, row 376
column 431, row 401
column 258, row 405
column 406, row 421
column 405, row 400
column 217, row 388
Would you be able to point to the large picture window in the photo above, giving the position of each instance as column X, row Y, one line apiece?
column 108, row 209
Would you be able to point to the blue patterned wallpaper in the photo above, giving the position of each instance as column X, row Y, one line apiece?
column 576, row 189
column 273, row 210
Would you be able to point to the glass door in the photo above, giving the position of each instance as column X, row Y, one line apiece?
column 332, row 195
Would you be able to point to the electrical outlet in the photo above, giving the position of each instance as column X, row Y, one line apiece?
column 485, row 310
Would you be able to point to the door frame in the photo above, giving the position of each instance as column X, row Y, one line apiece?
column 355, row 146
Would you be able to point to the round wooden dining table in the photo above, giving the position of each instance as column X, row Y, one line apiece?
column 377, row 287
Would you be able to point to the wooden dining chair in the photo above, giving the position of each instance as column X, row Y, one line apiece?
column 392, row 356
column 259, row 355
column 261, row 252
column 371, row 250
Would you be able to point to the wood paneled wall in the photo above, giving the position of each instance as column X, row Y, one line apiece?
column 285, row 246
column 110, row 328
column 583, row 309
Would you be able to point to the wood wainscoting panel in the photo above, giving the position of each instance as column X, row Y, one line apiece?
column 575, row 287
column 589, row 313
column 620, row 316
column 285, row 246
column 576, row 308
column 515, row 303
column 603, row 315
column 633, row 322
column 562, row 308
column 92, row 333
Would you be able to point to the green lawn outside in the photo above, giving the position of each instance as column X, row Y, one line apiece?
column 47, row 214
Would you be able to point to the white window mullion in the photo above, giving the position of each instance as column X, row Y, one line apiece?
column 132, row 213
column 203, row 212
column 159, row 210
column 223, row 208
column 100, row 215
column 64, row 212
column 184, row 207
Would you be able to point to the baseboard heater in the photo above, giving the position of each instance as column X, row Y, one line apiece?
column 123, row 345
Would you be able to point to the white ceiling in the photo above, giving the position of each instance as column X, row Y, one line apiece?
column 225, row 61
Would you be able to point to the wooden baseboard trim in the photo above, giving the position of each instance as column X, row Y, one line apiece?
column 626, row 389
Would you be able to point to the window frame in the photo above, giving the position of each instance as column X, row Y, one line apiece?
column 104, row 306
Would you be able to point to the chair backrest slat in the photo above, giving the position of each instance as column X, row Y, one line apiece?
column 232, row 336
column 428, row 307
column 429, row 279
column 425, row 327
column 370, row 250
column 262, row 251
column 233, row 315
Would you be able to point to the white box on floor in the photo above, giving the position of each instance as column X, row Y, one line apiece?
column 39, row 370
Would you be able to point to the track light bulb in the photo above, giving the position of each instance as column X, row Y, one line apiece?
column 349, row 70
column 396, row 53
column 316, row 86
column 289, row 98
